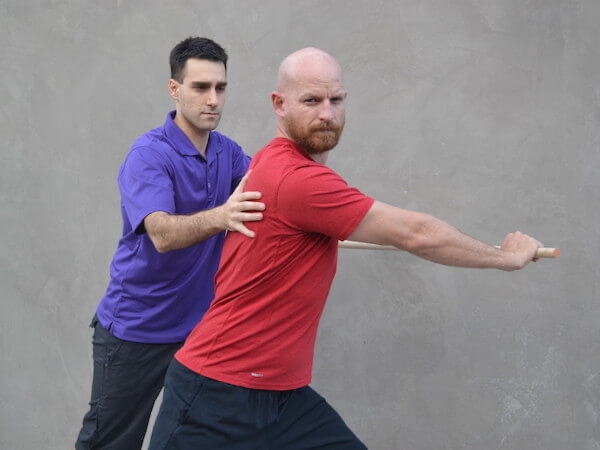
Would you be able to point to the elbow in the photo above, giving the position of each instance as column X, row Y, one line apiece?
column 417, row 244
column 160, row 244
column 154, row 228
column 420, row 239
column 162, row 249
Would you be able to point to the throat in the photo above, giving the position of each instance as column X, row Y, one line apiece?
column 320, row 157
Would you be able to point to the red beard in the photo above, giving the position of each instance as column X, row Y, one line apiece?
column 316, row 139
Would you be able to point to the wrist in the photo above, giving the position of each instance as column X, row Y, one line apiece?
column 511, row 261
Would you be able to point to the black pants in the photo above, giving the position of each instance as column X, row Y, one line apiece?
column 128, row 377
column 201, row 413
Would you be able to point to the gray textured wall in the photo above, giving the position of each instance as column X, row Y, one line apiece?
column 484, row 113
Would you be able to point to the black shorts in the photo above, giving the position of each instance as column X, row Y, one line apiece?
column 198, row 412
column 127, row 379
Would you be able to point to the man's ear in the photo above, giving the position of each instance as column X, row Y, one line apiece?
column 277, row 100
column 174, row 89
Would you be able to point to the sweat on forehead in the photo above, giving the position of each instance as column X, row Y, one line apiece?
column 305, row 64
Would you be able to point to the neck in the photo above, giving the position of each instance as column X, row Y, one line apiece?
column 320, row 158
column 199, row 138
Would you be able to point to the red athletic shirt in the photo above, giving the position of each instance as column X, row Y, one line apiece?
column 270, row 291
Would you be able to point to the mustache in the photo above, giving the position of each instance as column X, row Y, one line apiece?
column 326, row 127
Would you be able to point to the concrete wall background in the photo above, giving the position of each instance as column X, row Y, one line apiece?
column 484, row 113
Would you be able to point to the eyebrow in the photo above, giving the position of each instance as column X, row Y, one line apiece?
column 207, row 84
column 337, row 94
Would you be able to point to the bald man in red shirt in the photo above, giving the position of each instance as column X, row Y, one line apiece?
column 241, row 379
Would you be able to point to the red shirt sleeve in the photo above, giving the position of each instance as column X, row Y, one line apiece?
column 314, row 198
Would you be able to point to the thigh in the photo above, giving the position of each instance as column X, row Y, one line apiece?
column 126, row 371
column 309, row 422
column 127, row 379
column 198, row 412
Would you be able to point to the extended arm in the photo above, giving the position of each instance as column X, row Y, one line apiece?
column 435, row 240
column 171, row 232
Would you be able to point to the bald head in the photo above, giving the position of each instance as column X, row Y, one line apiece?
column 310, row 101
column 308, row 65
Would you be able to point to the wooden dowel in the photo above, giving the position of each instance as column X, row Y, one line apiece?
column 541, row 252
column 365, row 246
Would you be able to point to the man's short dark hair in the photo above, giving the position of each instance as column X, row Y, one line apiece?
column 194, row 47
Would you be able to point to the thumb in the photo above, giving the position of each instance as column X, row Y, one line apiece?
column 242, row 185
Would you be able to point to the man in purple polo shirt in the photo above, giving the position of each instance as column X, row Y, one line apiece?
column 181, row 188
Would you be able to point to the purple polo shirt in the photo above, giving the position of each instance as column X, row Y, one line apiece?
column 159, row 297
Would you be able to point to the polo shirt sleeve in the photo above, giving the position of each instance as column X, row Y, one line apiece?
column 316, row 199
column 146, row 186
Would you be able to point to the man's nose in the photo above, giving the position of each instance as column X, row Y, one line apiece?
column 326, row 112
column 212, row 99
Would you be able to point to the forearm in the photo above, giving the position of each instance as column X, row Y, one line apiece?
column 172, row 232
column 437, row 241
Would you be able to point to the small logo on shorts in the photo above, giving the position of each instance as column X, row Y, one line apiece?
column 257, row 375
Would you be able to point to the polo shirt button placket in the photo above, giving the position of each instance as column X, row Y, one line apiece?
column 209, row 190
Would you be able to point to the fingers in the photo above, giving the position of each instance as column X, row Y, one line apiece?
column 518, row 240
column 241, row 206
column 237, row 222
column 236, row 218
column 242, row 185
column 244, row 201
column 238, row 205
column 239, row 195
column 246, row 217
column 241, row 228
column 245, row 196
column 523, row 245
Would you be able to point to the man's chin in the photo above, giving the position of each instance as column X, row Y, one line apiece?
column 208, row 125
column 323, row 145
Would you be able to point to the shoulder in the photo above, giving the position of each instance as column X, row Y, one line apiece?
column 155, row 143
column 314, row 175
column 153, row 140
column 148, row 150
